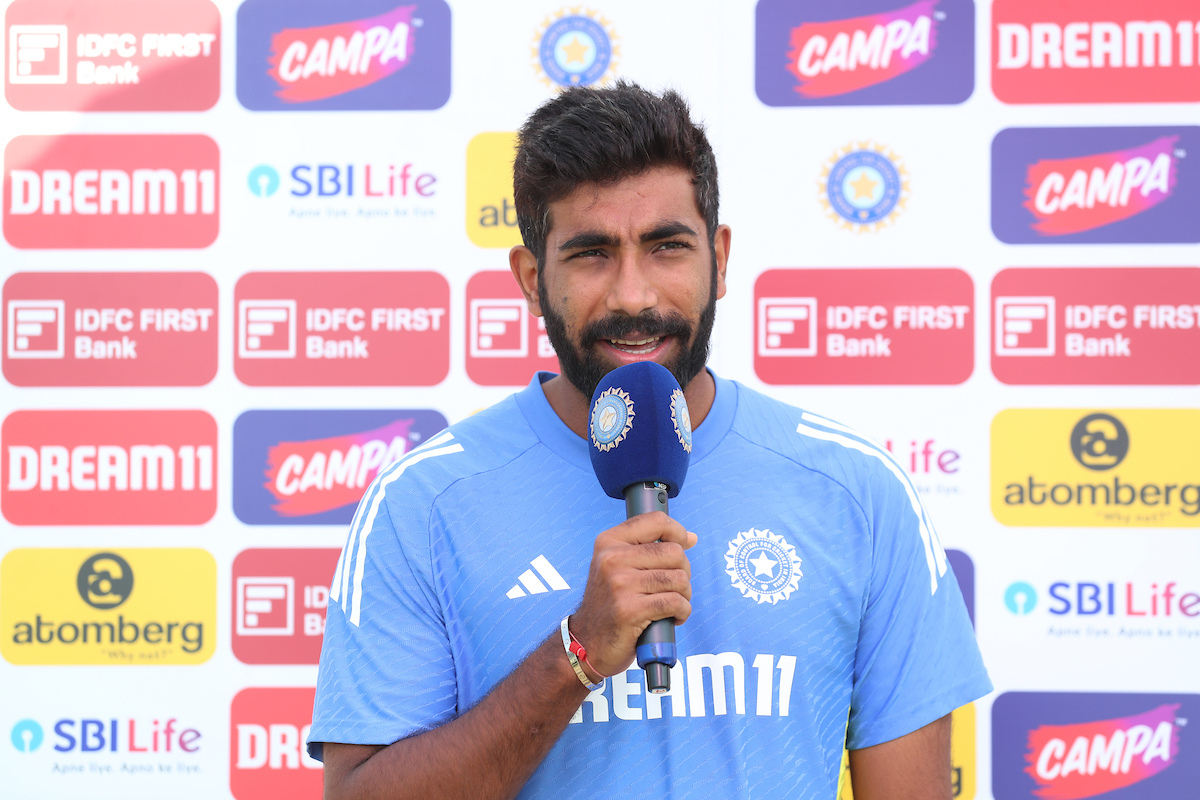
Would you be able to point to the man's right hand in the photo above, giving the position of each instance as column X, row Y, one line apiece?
column 640, row 573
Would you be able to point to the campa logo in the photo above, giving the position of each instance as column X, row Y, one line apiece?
column 127, row 606
column 1076, row 467
column 105, row 191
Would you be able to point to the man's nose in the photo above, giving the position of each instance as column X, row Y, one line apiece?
column 632, row 291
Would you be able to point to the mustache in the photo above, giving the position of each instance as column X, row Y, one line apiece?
column 648, row 324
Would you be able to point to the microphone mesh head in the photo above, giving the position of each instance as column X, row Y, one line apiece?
column 639, row 429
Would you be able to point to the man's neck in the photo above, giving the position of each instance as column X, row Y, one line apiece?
column 573, row 408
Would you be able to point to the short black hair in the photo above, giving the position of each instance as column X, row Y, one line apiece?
column 593, row 135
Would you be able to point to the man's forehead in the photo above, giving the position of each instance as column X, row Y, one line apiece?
column 655, row 199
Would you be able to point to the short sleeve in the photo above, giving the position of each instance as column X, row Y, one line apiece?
column 386, row 668
column 917, row 659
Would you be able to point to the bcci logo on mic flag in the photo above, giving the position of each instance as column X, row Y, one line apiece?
column 355, row 55
column 612, row 419
column 1096, row 185
column 864, row 52
column 312, row 467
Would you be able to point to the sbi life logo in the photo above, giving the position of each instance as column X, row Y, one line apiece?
column 27, row 736
column 263, row 181
column 1020, row 598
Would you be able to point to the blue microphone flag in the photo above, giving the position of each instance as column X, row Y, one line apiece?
column 639, row 429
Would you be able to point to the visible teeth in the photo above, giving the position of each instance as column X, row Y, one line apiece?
column 629, row 343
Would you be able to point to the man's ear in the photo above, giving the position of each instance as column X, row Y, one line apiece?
column 721, row 244
column 523, row 264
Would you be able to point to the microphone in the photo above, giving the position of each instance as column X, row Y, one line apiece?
column 641, row 437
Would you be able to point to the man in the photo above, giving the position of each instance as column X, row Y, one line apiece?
column 816, row 606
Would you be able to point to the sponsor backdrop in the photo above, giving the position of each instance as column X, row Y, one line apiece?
column 254, row 252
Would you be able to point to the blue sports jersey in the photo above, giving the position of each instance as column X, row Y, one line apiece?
column 824, row 612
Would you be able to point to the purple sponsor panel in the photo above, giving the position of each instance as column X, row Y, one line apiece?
column 1096, row 185
column 864, row 52
column 964, row 571
column 305, row 55
column 1074, row 745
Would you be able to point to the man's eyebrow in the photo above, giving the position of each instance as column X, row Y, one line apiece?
column 588, row 239
column 666, row 230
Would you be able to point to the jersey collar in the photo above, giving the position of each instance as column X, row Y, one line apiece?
column 560, row 439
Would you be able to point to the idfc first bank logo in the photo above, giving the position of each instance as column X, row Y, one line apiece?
column 357, row 55
column 1096, row 185
column 100, row 55
column 312, row 467
column 1096, row 51
column 111, row 191
column 864, row 52
column 1070, row 746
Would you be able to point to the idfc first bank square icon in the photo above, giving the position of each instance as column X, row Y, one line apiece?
column 354, row 55
column 864, row 52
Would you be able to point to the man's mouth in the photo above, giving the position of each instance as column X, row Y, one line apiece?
column 635, row 346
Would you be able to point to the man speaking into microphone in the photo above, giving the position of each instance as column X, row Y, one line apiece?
column 486, row 609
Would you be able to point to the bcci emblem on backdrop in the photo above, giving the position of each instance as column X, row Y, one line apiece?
column 864, row 187
column 864, row 52
column 575, row 49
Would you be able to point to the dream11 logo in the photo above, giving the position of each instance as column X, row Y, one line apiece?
column 1096, row 185
column 355, row 55
column 1070, row 746
column 864, row 52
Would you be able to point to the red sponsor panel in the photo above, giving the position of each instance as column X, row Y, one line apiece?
column 111, row 191
column 112, row 55
column 1096, row 51
column 108, row 467
column 110, row 329
column 279, row 600
column 267, row 756
column 1103, row 325
column 506, row 344
column 342, row 328
column 863, row 326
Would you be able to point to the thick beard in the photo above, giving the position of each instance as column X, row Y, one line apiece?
column 583, row 367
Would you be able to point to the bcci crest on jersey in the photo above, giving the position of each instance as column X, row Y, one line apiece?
column 763, row 566
column 612, row 418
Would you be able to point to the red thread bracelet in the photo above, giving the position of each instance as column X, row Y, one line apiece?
column 581, row 653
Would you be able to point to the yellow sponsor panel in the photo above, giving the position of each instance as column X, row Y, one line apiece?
column 116, row 606
column 1136, row 467
column 491, row 215
column 962, row 757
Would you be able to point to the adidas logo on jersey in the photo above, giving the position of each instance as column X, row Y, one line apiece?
column 533, row 585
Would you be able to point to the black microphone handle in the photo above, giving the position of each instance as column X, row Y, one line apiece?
column 659, row 637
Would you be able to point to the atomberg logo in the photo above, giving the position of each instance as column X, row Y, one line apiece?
column 1102, row 51
column 312, row 467
column 365, row 54
column 110, row 328
column 1067, row 185
column 1112, row 325
column 491, row 214
column 267, row 754
column 1072, row 746
column 135, row 55
column 1113, row 468
column 105, row 191
column 144, row 467
column 132, row 606
column 805, row 58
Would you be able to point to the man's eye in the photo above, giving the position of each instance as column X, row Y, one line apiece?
column 674, row 246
